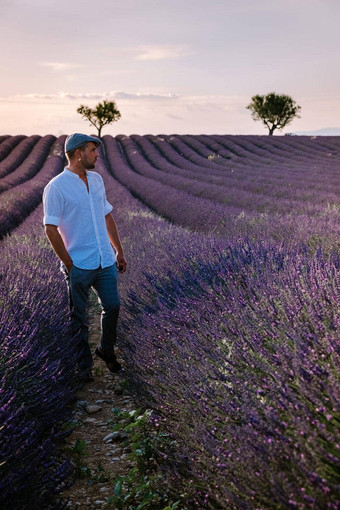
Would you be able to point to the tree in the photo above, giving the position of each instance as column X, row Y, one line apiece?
column 275, row 110
column 104, row 113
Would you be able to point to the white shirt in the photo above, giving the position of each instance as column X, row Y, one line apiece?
column 80, row 217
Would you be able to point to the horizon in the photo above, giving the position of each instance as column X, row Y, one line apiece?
column 170, row 68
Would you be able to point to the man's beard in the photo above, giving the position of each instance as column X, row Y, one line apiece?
column 88, row 165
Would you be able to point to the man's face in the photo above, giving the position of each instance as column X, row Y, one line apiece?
column 89, row 156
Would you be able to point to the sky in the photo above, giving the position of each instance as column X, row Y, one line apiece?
column 171, row 66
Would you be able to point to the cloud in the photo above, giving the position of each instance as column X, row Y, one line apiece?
column 97, row 96
column 139, row 95
column 177, row 110
column 59, row 66
column 164, row 52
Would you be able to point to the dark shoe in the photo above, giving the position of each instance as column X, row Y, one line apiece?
column 85, row 375
column 111, row 361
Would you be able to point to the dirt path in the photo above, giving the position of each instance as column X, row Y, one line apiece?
column 101, row 459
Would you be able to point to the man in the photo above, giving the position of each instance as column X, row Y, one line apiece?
column 83, row 234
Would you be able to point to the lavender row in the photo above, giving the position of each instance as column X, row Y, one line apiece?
column 299, row 179
column 31, row 164
column 200, row 214
column 280, row 148
column 159, row 152
column 236, row 347
column 270, row 199
column 246, row 147
column 164, row 157
column 39, row 359
column 237, row 351
column 304, row 159
column 250, row 301
column 18, row 155
column 9, row 144
column 3, row 138
column 177, row 206
column 241, row 165
column 36, row 372
column 179, row 156
column 244, row 173
column 197, row 152
column 230, row 154
column 322, row 147
column 267, row 172
column 140, row 164
column 18, row 202
column 267, row 163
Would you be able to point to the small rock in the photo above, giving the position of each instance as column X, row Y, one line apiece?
column 92, row 408
column 113, row 435
column 90, row 420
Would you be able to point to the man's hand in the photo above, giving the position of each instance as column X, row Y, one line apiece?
column 121, row 262
column 115, row 241
column 69, row 267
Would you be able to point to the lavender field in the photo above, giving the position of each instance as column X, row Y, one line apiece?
column 230, row 321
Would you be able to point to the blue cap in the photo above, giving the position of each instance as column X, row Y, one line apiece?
column 77, row 140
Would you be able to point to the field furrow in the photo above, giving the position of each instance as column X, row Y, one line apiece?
column 287, row 180
column 18, row 155
column 30, row 166
column 270, row 199
column 20, row 201
column 178, row 206
column 9, row 144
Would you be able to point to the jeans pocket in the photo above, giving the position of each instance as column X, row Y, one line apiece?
column 64, row 270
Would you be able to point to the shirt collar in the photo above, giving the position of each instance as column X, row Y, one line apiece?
column 68, row 172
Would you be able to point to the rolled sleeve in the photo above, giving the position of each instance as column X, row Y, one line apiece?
column 53, row 205
column 107, row 207
column 51, row 220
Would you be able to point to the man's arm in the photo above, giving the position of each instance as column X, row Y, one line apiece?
column 115, row 241
column 58, row 245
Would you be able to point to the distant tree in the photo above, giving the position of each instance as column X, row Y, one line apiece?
column 101, row 115
column 274, row 110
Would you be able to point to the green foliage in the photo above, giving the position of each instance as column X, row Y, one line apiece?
column 143, row 486
column 101, row 115
column 78, row 452
column 274, row 110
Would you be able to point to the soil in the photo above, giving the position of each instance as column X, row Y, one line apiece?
column 103, row 460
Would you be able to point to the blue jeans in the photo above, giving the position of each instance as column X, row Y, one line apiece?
column 104, row 284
